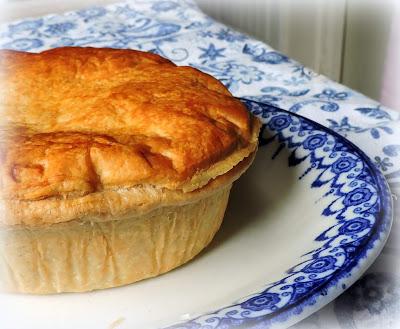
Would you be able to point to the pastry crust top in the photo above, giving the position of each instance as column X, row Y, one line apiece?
column 77, row 121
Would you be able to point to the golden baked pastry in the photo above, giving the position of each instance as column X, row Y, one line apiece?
column 116, row 165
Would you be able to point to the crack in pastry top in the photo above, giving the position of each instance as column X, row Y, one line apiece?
column 76, row 121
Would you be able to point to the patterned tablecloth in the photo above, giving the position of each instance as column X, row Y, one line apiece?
column 249, row 68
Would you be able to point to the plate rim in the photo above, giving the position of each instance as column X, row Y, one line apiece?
column 341, row 279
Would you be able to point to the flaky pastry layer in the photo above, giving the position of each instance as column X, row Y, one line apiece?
column 78, row 122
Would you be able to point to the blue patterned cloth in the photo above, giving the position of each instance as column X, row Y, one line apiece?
column 179, row 31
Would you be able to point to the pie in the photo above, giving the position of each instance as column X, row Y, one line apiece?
column 116, row 166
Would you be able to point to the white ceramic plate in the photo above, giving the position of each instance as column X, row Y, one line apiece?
column 303, row 224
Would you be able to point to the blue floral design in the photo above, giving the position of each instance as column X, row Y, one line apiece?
column 354, row 226
column 23, row 44
column 264, row 302
column 314, row 141
column 108, row 28
column 176, row 54
column 392, row 150
column 229, row 35
column 280, row 122
column 344, row 127
column 127, row 12
column 64, row 42
column 383, row 163
column 260, row 55
column 321, row 265
column 29, row 25
column 332, row 94
column 374, row 112
column 92, row 13
column 232, row 74
column 279, row 91
column 211, row 52
column 343, row 164
column 300, row 75
column 164, row 6
column 196, row 25
column 326, row 98
column 272, row 95
column 357, row 196
column 60, row 28
column 243, row 73
column 326, row 106
column 206, row 34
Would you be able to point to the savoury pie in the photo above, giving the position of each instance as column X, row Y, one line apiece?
column 116, row 166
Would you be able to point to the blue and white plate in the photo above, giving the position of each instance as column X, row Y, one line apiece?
column 306, row 220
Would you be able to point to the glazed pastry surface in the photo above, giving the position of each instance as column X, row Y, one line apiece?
column 81, row 123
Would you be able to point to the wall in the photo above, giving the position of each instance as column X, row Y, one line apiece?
column 367, row 34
